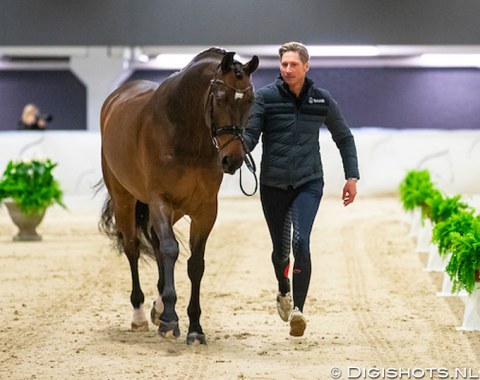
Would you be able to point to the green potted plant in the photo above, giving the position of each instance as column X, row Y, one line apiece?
column 464, row 265
column 28, row 188
column 461, row 223
column 440, row 208
column 416, row 189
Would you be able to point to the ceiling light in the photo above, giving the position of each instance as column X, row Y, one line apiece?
column 342, row 51
column 143, row 58
column 450, row 60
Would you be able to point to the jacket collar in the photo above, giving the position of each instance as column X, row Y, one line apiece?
column 307, row 86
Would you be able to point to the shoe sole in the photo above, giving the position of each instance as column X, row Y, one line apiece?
column 297, row 326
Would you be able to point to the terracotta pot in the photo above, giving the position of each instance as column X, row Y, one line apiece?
column 26, row 223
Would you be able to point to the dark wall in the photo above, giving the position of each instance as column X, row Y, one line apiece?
column 58, row 93
column 401, row 98
column 405, row 97
column 238, row 22
column 381, row 97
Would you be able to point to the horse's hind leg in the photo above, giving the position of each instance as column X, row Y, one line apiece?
column 124, row 208
column 125, row 217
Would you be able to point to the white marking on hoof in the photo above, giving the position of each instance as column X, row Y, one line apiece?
column 140, row 327
column 157, row 310
column 139, row 320
column 158, row 303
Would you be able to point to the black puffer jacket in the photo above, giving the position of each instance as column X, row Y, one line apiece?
column 290, row 127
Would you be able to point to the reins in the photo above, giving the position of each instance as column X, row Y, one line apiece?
column 250, row 164
column 237, row 131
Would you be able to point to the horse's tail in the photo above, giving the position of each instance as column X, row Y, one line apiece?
column 144, row 235
column 108, row 226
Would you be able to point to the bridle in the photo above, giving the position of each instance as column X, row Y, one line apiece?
column 235, row 130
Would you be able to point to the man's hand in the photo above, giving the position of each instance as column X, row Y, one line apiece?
column 349, row 192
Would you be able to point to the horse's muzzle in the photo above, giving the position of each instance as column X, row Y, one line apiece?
column 230, row 163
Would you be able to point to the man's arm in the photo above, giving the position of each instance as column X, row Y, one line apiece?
column 254, row 127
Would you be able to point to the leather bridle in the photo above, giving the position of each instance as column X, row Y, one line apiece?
column 235, row 130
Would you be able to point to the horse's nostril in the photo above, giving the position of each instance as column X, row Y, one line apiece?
column 226, row 161
column 231, row 163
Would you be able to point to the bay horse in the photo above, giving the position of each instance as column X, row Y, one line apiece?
column 164, row 151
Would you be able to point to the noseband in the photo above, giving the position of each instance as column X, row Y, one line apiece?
column 235, row 130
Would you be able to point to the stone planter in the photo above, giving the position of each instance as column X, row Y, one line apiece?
column 26, row 223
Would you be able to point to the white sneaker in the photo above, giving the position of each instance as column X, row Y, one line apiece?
column 284, row 306
column 298, row 323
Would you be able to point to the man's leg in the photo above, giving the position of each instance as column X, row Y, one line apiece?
column 276, row 205
column 304, row 210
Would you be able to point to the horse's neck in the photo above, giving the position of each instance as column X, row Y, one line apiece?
column 183, row 101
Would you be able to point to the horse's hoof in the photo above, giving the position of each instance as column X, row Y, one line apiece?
column 196, row 337
column 156, row 313
column 169, row 329
column 140, row 326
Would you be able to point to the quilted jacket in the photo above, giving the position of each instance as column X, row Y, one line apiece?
column 290, row 134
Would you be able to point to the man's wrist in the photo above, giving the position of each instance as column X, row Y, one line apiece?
column 353, row 179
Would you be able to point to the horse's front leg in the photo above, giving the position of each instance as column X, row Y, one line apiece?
column 199, row 231
column 167, row 254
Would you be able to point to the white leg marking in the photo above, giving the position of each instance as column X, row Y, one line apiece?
column 139, row 320
column 159, row 305
column 157, row 311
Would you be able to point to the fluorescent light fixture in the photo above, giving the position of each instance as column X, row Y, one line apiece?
column 342, row 51
column 240, row 58
column 450, row 60
column 173, row 61
column 143, row 58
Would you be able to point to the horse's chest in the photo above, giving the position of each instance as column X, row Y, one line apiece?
column 193, row 188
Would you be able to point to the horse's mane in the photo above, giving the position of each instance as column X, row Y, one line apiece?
column 208, row 52
column 213, row 51
column 237, row 66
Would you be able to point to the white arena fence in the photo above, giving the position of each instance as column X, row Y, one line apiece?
column 385, row 155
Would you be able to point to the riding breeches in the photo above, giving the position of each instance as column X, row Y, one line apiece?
column 284, row 209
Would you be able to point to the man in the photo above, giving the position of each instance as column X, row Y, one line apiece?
column 289, row 114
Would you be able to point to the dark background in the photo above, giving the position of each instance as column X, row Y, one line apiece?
column 401, row 97
column 380, row 97
column 56, row 92
column 238, row 22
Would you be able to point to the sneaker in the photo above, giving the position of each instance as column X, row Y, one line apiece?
column 298, row 323
column 284, row 305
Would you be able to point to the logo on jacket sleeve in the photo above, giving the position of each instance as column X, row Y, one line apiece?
column 313, row 100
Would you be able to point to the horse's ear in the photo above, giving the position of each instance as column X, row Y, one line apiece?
column 227, row 61
column 251, row 66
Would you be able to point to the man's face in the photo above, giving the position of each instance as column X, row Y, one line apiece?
column 293, row 70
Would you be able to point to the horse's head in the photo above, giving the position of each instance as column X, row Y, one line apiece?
column 229, row 101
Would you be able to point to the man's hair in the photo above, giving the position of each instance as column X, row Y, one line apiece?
column 297, row 47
